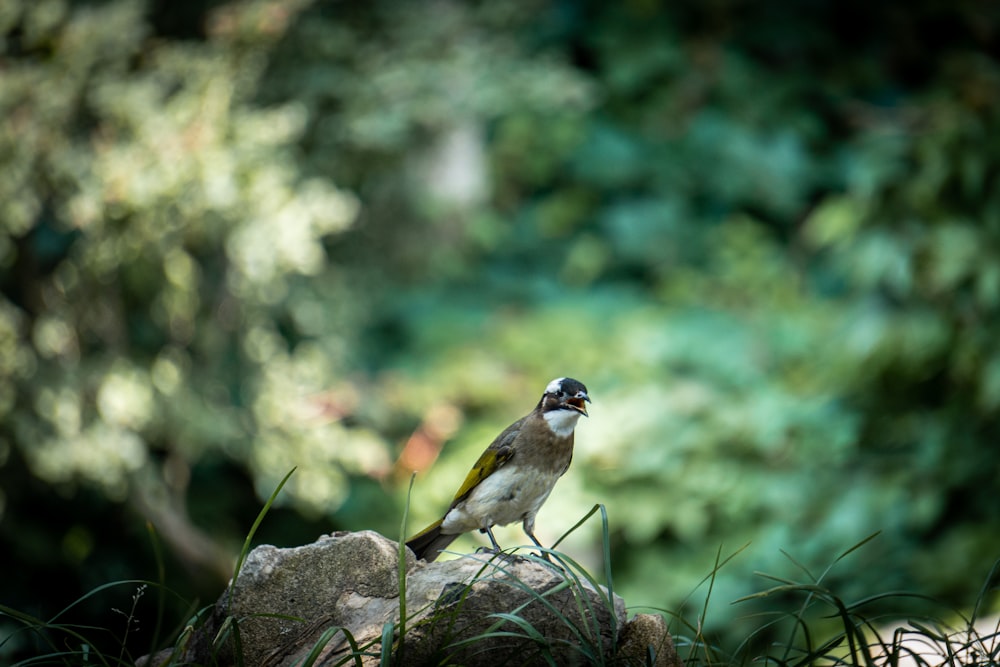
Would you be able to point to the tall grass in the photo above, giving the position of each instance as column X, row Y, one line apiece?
column 815, row 625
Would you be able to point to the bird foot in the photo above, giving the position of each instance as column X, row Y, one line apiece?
column 497, row 553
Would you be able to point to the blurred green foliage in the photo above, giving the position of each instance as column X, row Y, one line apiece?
column 241, row 237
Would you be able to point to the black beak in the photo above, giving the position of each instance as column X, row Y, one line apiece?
column 578, row 402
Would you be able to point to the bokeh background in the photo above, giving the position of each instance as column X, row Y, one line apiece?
column 358, row 239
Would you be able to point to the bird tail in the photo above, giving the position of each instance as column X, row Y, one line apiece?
column 429, row 542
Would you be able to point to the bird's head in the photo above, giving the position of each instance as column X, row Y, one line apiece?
column 565, row 394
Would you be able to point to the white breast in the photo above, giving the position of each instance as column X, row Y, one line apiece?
column 510, row 494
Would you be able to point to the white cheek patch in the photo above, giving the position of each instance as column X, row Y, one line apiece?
column 555, row 386
column 562, row 422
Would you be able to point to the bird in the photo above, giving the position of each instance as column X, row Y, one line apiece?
column 515, row 475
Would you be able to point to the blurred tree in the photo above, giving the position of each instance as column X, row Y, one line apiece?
column 172, row 324
column 157, row 235
column 262, row 234
column 763, row 245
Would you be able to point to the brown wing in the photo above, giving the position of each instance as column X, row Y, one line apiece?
column 497, row 454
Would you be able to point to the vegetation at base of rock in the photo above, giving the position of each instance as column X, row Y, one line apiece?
column 817, row 624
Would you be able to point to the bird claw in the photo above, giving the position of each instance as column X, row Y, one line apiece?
column 497, row 553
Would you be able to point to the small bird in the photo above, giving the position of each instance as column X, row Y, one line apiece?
column 515, row 474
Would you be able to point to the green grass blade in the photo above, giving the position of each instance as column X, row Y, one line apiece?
column 161, row 577
column 857, row 546
column 608, row 581
column 700, row 642
column 356, row 652
column 385, row 653
column 530, row 631
column 99, row 589
column 797, row 564
column 984, row 591
column 577, row 524
column 253, row 531
column 320, row 644
column 401, row 571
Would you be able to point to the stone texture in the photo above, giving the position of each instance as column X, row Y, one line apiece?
column 646, row 635
column 290, row 603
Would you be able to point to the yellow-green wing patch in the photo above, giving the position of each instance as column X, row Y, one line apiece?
column 487, row 464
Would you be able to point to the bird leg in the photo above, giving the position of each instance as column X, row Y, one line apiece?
column 496, row 547
column 541, row 550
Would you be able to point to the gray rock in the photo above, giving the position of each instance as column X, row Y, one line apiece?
column 339, row 595
column 645, row 641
